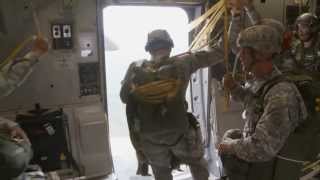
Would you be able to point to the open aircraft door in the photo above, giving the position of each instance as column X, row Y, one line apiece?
column 200, row 83
column 71, row 76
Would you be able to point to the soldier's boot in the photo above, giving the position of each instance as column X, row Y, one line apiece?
column 162, row 173
column 199, row 170
column 143, row 169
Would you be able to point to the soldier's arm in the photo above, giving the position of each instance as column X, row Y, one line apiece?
column 191, row 62
column 253, row 14
column 236, row 26
column 194, row 61
column 16, row 71
column 126, row 84
column 234, row 30
column 13, row 130
column 7, row 123
column 280, row 117
column 13, row 74
column 240, row 94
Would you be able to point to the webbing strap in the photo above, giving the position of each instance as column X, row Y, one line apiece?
column 226, row 54
column 290, row 159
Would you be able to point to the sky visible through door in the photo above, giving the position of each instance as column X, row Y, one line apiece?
column 125, row 31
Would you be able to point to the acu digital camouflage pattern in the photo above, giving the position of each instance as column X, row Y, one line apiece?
column 6, row 123
column 268, row 123
column 307, row 58
column 162, row 125
column 164, row 129
column 158, row 121
column 267, row 127
column 14, row 157
column 262, row 38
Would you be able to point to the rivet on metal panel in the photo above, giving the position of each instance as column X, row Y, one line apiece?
column 194, row 79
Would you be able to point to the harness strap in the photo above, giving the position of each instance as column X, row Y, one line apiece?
column 290, row 159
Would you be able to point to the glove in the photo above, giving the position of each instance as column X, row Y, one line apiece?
column 228, row 82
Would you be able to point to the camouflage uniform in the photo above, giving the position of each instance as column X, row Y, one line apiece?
column 308, row 59
column 12, row 75
column 16, row 71
column 264, row 135
column 165, row 130
column 268, row 121
column 15, row 156
column 237, row 23
column 286, row 61
column 5, row 123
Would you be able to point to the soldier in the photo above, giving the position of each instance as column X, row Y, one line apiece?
column 162, row 131
column 143, row 166
column 245, row 8
column 15, row 147
column 307, row 49
column 165, row 132
column 285, row 62
column 271, row 113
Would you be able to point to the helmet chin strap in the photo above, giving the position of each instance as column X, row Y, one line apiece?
column 252, row 63
column 310, row 37
column 251, row 66
column 159, row 57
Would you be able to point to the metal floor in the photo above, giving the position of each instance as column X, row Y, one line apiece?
column 125, row 163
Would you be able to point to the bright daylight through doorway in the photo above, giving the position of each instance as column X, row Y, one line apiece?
column 125, row 31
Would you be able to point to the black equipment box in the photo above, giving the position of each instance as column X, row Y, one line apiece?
column 47, row 133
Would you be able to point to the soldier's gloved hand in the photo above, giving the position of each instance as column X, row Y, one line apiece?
column 236, row 6
column 232, row 134
column 16, row 133
column 228, row 82
column 225, row 147
column 167, row 71
column 39, row 48
column 247, row 4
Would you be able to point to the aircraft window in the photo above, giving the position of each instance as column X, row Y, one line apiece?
column 125, row 31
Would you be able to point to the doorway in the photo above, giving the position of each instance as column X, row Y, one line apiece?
column 125, row 33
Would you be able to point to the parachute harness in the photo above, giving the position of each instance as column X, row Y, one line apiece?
column 157, row 92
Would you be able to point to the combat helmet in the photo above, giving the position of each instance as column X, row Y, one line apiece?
column 309, row 20
column 277, row 25
column 261, row 38
column 158, row 39
column 14, row 157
